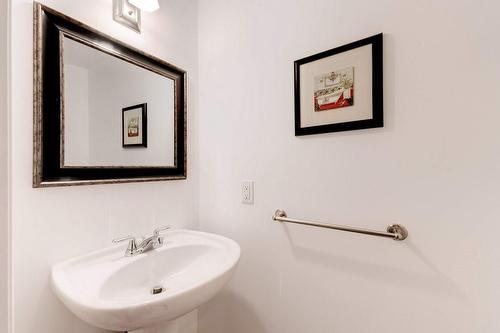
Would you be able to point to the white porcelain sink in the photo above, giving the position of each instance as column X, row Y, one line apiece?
column 114, row 292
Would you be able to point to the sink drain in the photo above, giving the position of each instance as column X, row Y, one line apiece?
column 157, row 290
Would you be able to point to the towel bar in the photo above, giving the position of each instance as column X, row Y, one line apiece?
column 394, row 231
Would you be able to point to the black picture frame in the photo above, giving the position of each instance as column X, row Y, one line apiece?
column 144, row 125
column 377, row 119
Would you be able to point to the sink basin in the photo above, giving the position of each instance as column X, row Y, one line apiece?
column 118, row 293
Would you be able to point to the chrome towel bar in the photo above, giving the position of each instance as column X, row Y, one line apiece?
column 394, row 231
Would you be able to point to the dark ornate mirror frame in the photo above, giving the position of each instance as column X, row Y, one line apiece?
column 50, row 27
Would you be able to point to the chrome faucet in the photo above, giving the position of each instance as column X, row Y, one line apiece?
column 147, row 244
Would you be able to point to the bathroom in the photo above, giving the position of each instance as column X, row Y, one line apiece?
column 432, row 166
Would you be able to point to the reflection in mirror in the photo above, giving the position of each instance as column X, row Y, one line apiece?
column 104, row 112
column 105, row 119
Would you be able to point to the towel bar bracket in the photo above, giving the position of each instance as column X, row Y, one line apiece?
column 398, row 230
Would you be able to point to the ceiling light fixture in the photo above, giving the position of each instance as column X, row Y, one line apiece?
column 146, row 5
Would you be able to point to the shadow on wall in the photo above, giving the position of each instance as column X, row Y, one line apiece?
column 434, row 281
column 225, row 311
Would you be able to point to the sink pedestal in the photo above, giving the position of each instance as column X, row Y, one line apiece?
column 185, row 324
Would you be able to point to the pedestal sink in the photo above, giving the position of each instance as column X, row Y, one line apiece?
column 118, row 293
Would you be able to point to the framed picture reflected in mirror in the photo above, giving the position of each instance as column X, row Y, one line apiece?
column 135, row 126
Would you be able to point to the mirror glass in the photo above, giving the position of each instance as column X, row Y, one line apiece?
column 116, row 112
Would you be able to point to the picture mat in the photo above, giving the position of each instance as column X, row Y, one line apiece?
column 126, row 116
column 359, row 58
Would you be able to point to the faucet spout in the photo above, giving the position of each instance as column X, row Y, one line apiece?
column 150, row 243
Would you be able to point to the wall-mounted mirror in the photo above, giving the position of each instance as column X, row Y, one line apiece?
column 104, row 111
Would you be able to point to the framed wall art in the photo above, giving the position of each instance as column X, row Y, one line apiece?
column 340, row 89
column 135, row 126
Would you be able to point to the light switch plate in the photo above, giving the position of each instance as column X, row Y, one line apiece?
column 127, row 14
column 247, row 192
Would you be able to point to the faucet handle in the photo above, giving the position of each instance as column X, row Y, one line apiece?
column 132, row 244
column 157, row 231
column 122, row 239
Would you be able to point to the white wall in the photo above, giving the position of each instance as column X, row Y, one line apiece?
column 53, row 224
column 434, row 167
column 4, row 177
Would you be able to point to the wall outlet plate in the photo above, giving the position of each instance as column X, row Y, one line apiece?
column 127, row 14
column 247, row 192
